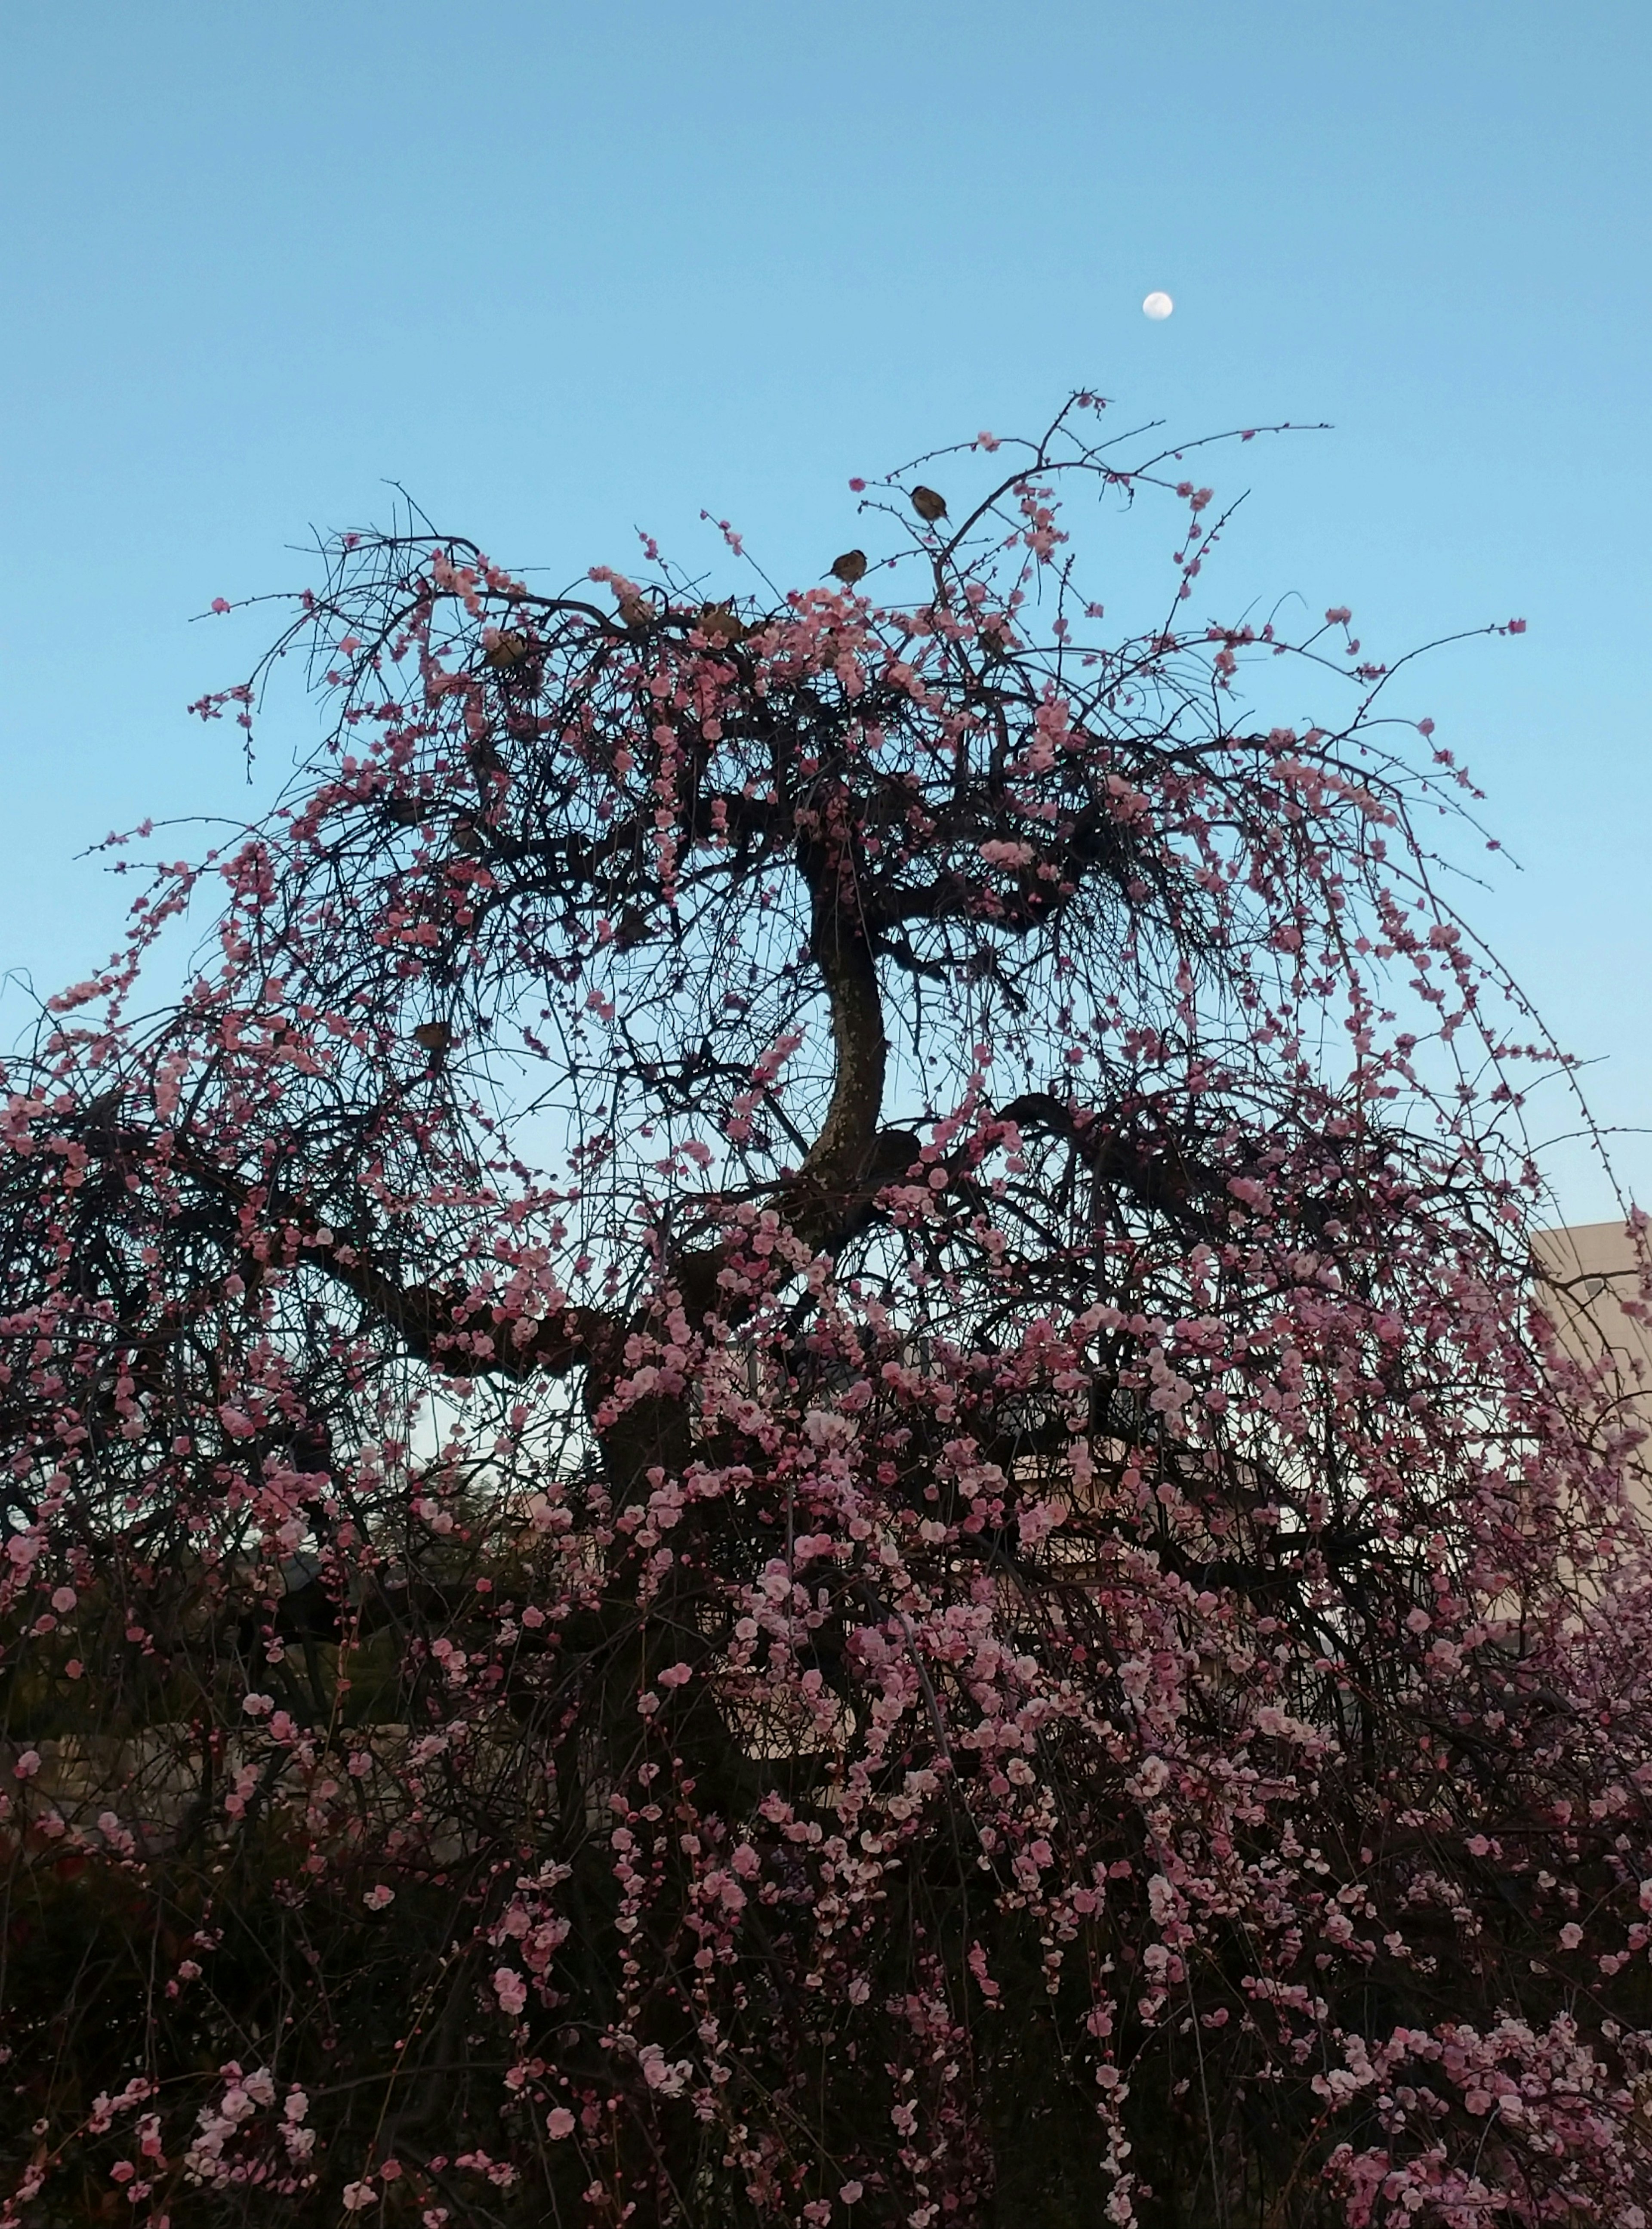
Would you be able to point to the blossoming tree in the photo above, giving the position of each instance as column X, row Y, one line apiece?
column 786, row 1455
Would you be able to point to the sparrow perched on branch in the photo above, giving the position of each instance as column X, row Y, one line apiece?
column 720, row 623
column 928, row 504
column 850, row 567
column 508, row 651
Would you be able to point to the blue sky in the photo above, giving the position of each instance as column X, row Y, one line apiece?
column 564, row 270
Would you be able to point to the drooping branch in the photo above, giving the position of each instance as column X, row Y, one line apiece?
column 1160, row 1173
column 442, row 1324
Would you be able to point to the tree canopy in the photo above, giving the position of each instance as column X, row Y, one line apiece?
column 786, row 1452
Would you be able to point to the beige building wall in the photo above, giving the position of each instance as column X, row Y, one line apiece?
column 1590, row 1269
column 1586, row 1273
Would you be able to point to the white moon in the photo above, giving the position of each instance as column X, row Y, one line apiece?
column 1158, row 307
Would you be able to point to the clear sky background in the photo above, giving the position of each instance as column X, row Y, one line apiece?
column 561, row 271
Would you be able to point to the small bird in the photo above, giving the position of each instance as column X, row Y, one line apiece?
column 849, row 568
column 508, row 650
column 928, row 505
column 435, row 1037
column 720, row 623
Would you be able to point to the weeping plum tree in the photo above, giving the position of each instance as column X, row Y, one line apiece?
column 787, row 1455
